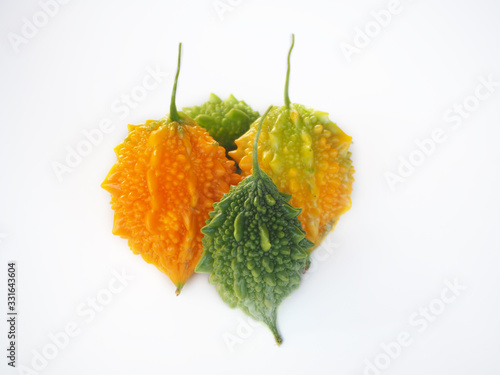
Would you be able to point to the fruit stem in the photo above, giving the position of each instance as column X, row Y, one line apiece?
column 287, row 98
column 174, row 115
column 256, row 167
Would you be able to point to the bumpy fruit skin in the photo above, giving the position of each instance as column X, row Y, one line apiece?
column 307, row 156
column 225, row 120
column 167, row 176
column 254, row 249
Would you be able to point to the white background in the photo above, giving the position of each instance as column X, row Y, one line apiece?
column 390, row 254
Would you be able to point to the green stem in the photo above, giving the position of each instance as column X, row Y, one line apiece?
column 287, row 98
column 174, row 115
column 256, row 167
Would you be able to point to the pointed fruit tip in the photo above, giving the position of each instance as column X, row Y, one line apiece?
column 278, row 339
column 274, row 329
column 179, row 289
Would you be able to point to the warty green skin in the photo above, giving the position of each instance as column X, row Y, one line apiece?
column 225, row 120
column 254, row 248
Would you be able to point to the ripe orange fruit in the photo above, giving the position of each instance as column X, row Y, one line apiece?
column 167, row 176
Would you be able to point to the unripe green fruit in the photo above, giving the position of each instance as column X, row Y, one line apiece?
column 254, row 247
column 225, row 120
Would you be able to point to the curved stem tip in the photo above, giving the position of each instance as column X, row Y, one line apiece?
column 174, row 115
column 287, row 98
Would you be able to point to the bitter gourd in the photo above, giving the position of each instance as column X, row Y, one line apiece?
column 254, row 247
column 225, row 120
column 167, row 176
column 307, row 156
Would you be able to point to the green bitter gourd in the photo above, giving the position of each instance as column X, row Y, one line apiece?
column 254, row 246
column 225, row 120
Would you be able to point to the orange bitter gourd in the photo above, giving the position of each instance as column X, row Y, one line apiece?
column 167, row 176
column 308, row 157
